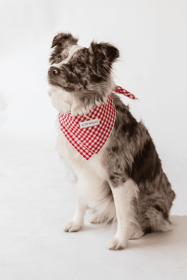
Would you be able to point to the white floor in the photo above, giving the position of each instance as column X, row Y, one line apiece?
column 37, row 197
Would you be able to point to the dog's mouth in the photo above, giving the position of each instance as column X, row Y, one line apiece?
column 53, row 83
column 56, row 84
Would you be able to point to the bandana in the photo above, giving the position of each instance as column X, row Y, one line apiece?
column 88, row 133
column 124, row 92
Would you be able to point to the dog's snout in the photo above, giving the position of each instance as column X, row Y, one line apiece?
column 53, row 71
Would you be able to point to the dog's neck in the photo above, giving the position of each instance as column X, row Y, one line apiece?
column 71, row 102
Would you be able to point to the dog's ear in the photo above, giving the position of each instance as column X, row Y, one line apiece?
column 104, row 55
column 64, row 40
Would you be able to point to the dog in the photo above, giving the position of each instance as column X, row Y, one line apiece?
column 124, row 182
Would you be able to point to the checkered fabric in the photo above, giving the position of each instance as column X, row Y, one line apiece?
column 124, row 92
column 89, row 140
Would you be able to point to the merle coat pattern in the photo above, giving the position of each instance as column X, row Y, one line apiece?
column 125, row 182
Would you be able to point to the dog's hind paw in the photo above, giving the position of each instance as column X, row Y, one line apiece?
column 71, row 227
column 136, row 235
column 116, row 244
column 95, row 219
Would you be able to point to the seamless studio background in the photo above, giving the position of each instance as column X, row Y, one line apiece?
column 36, row 190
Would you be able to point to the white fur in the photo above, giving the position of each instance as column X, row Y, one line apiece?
column 123, row 196
column 72, row 50
column 93, row 189
column 77, row 220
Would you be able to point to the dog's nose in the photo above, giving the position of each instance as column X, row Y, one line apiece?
column 53, row 71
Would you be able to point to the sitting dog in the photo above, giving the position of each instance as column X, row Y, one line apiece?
column 123, row 180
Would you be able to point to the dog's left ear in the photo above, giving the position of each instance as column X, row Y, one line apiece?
column 104, row 51
column 104, row 55
column 64, row 40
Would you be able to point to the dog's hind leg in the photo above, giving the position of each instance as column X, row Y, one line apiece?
column 154, row 204
column 136, row 232
column 78, row 218
column 156, row 221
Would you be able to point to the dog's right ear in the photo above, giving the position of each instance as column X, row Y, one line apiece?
column 64, row 40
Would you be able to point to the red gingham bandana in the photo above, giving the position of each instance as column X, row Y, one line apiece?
column 124, row 92
column 89, row 140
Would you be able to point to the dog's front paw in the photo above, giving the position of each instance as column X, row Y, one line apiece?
column 71, row 227
column 116, row 244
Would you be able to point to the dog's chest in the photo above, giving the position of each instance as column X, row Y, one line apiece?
column 91, row 174
column 96, row 164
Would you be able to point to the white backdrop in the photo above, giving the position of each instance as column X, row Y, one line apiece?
column 35, row 194
column 151, row 37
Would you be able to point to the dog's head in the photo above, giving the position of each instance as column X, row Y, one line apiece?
column 83, row 72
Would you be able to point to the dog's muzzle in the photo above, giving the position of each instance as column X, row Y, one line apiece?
column 53, row 71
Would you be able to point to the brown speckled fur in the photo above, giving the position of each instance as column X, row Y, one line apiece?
column 131, row 153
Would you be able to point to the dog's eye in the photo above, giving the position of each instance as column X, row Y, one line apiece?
column 81, row 64
column 59, row 58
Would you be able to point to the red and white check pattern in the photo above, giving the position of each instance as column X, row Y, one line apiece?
column 89, row 140
column 124, row 92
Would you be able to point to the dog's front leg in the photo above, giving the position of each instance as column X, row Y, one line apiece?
column 123, row 196
column 78, row 218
